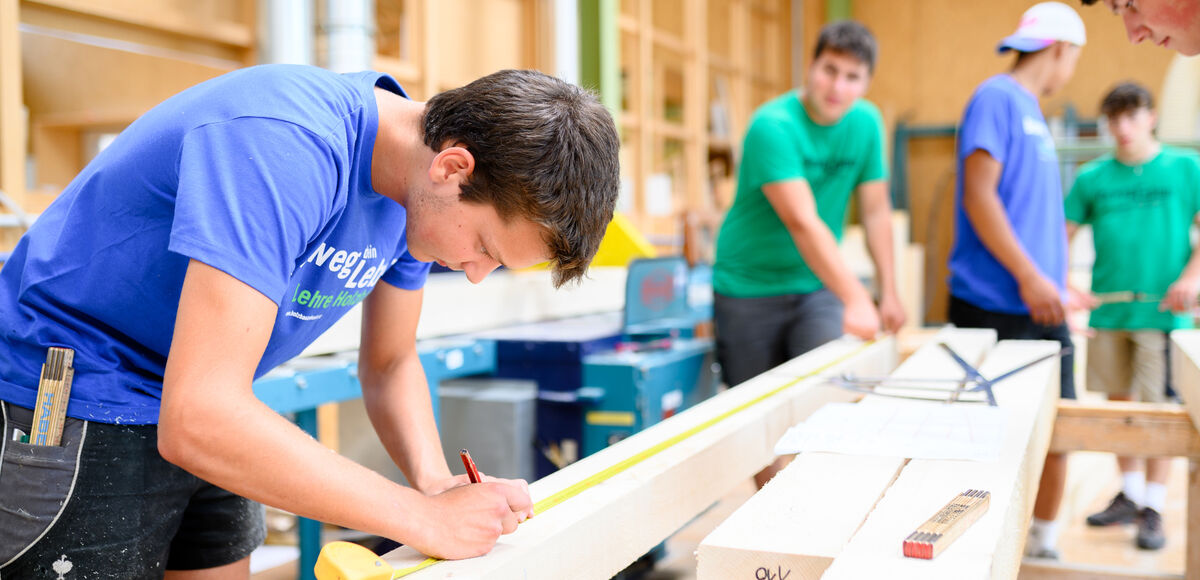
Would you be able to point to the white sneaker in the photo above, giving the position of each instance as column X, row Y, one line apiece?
column 1034, row 547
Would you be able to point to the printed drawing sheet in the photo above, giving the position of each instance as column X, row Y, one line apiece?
column 896, row 428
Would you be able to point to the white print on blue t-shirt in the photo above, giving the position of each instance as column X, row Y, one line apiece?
column 348, row 266
column 1035, row 127
column 343, row 263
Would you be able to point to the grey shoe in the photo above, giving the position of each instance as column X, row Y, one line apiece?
column 1034, row 548
column 1150, row 530
column 1032, row 551
column 1121, row 510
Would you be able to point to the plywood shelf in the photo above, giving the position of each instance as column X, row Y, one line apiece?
column 197, row 23
column 71, row 70
column 681, row 60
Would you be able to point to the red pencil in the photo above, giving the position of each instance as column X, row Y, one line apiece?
column 472, row 471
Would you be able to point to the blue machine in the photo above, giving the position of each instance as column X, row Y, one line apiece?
column 643, row 388
column 661, row 370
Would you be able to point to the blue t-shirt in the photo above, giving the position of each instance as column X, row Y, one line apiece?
column 263, row 173
column 1003, row 119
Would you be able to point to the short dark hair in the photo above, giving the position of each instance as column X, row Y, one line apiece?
column 545, row 150
column 847, row 37
column 1125, row 97
column 1088, row 2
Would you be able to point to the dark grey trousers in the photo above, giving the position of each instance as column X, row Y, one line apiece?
column 755, row 335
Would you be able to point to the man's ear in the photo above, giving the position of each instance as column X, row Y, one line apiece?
column 452, row 164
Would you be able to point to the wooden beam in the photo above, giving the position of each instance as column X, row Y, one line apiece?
column 1042, row 569
column 1185, row 368
column 1192, row 569
column 608, row 525
column 796, row 525
column 991, row 547
column 1125, row 428
column 12, row 117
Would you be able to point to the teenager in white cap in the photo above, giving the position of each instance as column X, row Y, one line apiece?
column 1173, row 24
column 1008, row 266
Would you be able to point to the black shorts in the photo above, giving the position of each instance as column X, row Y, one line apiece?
column 105, row 504
column 963, row 314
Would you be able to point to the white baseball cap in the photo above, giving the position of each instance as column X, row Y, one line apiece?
column 1044, row 24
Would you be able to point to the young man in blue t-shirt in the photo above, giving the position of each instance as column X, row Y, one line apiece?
column 1008, row 266
column 219, row 235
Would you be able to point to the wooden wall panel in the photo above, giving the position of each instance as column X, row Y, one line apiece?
column 934, row 52
column 12, row 117
column 220, row 29
column 93, row 87
column 494, row 37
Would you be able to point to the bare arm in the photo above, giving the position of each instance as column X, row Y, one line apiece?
column 877, row 224
column 395, row 389
column 397, row 397
column 793, row 202
column 212, row 425
column 1078, row 298
column 981, row 177
column 1181, row 295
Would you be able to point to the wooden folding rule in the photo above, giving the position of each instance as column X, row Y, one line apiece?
column 54, row 389
column 947, row 525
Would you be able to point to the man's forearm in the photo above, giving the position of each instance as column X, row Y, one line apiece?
column 878, row 229
column 399, row 405
column 819, row 249
column 1191, row 271
column 239, row 444
column 986, row 214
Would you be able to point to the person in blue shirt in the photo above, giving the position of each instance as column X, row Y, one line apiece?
column 1008, row 265
column 220, row 234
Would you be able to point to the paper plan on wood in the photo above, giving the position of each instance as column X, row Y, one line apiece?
column 900, row 429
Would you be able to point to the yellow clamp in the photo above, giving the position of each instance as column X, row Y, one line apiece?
column 347, row 561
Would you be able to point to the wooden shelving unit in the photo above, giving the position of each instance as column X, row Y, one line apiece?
column 414, row 45
column 692, row 73
column 73, row 72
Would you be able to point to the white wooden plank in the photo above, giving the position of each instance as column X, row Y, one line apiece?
column 792, row 528
column 1185, row 366
column 991, row 547
column 609, row 525
column 798, row 523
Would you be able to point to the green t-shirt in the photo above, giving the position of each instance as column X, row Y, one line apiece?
column 756, row 255
column 1141, row 217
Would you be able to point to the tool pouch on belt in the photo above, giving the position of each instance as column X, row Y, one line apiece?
column 35, row 480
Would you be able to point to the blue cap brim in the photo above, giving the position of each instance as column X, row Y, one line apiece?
column 1022, row 44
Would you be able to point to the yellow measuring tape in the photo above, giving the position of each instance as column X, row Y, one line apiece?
column 335, row 558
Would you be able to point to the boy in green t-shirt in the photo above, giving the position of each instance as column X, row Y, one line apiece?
column 1141, row 203
column 781, row 288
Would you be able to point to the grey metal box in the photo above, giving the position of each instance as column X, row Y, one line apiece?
column 493, row 418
